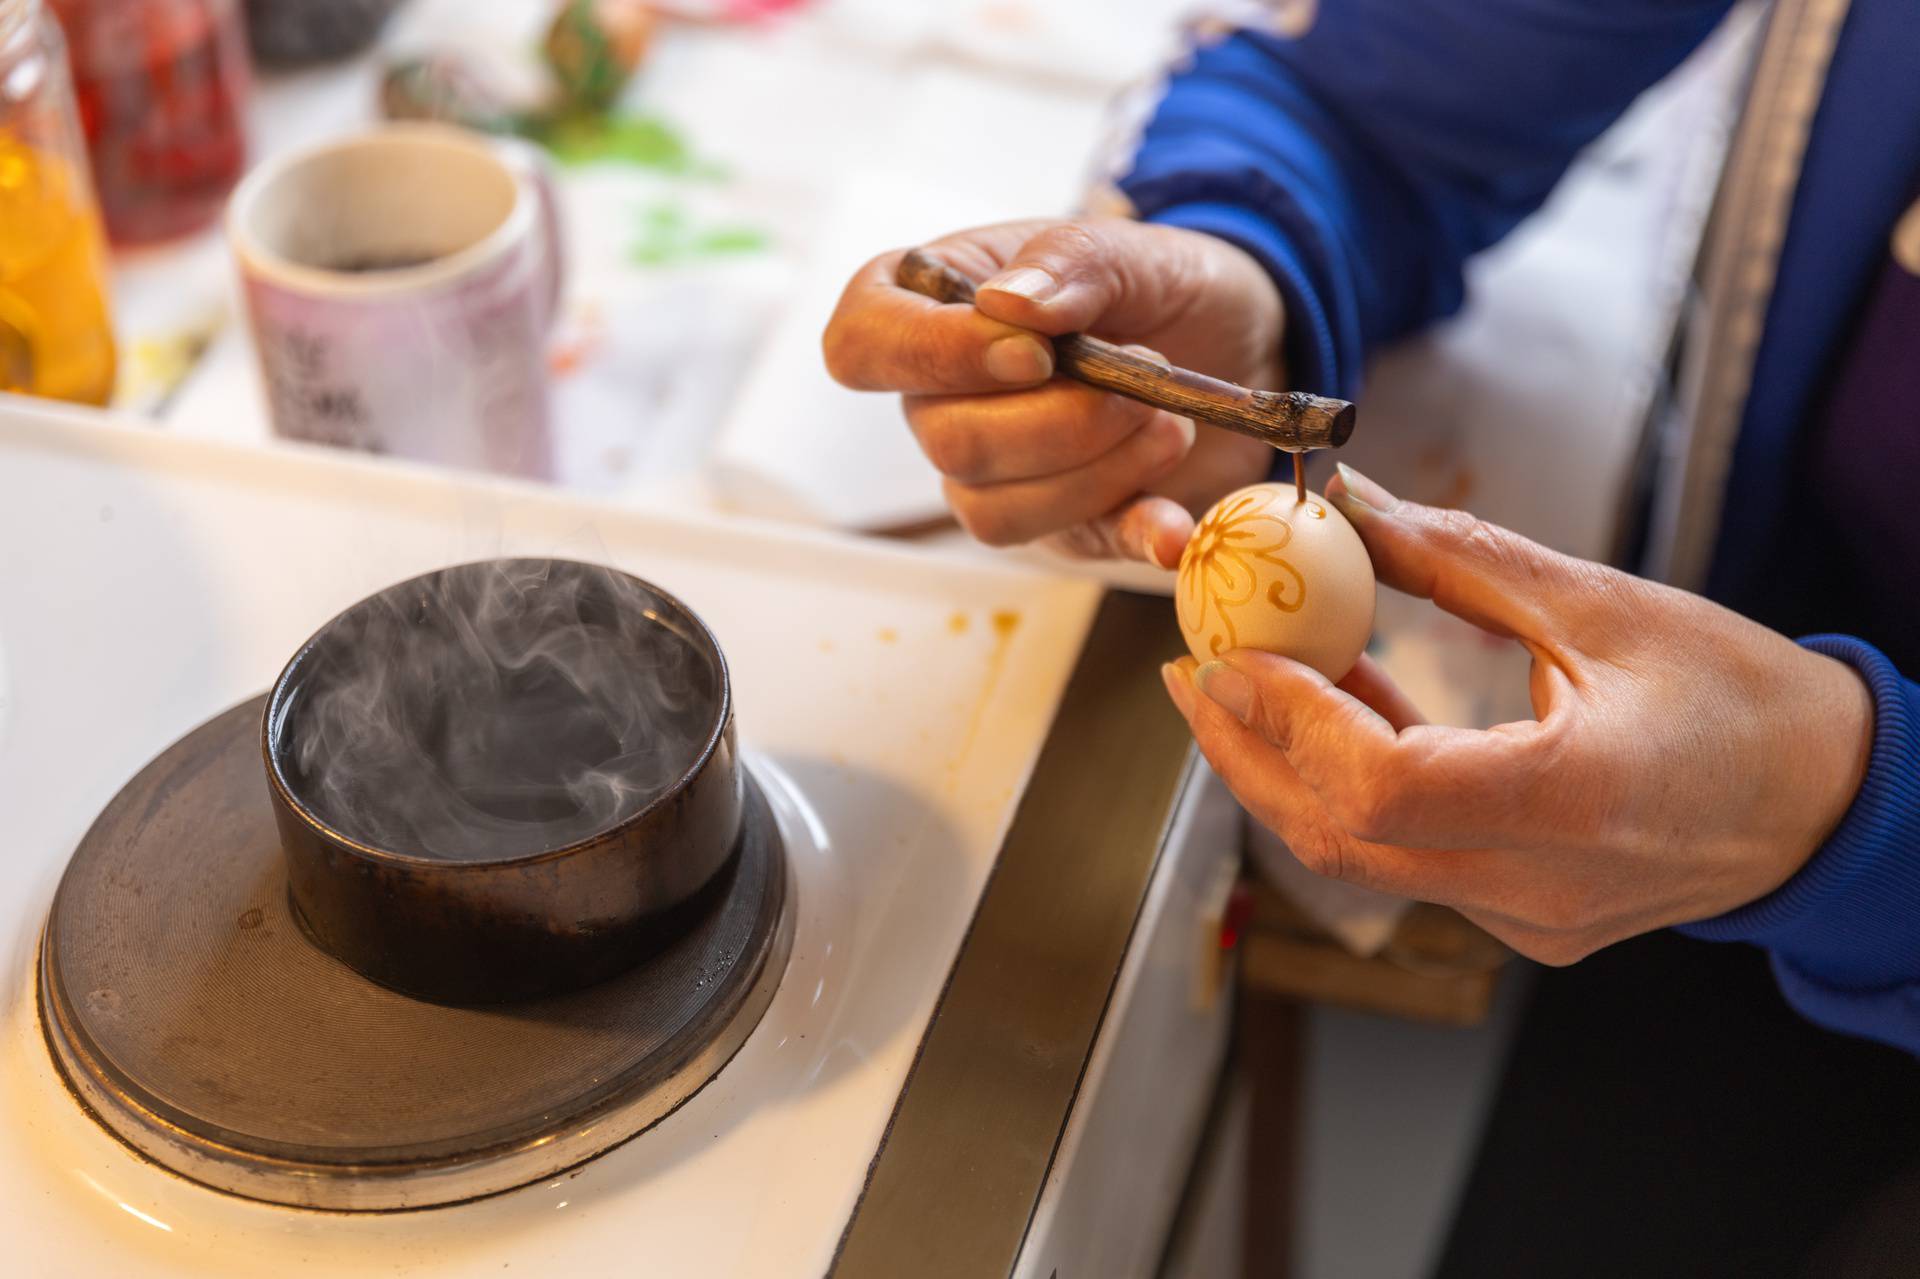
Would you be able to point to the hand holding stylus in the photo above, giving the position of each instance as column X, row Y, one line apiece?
column 1027, row 456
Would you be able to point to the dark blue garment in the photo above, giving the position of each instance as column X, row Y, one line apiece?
column 1364, row 161
column 1863, row 469
column 1845, row 932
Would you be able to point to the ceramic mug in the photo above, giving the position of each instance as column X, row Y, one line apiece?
column 400, row 284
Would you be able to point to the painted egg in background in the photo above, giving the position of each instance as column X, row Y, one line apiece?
column 1264, row 570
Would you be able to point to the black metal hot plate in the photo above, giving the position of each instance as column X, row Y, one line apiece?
column 192, row 1015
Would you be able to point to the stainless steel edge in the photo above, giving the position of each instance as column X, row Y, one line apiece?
column 954, row 1185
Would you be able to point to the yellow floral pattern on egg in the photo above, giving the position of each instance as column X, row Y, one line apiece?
column 1218, row 573
column 1266, row 570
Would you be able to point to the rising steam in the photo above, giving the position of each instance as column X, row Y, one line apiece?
column 497, row 709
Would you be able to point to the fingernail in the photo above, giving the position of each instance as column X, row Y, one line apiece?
column 1226, row 686
column 1365, row 492
column 1150, row 548
column 1029, row 282
column 1019, row 359
column 1149, row 354
column 1179, row 687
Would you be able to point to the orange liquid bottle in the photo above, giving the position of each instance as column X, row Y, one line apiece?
column 56, row 333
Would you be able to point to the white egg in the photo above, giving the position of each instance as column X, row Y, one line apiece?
column 1264, row 570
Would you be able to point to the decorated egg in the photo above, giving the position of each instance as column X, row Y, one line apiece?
column 1265, row 570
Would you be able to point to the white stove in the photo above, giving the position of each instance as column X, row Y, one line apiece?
column 894, row 707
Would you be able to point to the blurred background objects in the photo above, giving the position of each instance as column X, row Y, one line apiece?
column 162, row 86
column 295, row 33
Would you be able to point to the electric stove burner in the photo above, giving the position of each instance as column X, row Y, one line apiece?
column 190, row 1013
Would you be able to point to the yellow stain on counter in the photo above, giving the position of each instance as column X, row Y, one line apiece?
column 1005, row 622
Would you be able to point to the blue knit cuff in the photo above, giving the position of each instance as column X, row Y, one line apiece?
column 1313, row 361
column 1850, row 919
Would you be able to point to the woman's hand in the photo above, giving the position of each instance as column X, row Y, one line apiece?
column 1026, row 457
column 1684, row 761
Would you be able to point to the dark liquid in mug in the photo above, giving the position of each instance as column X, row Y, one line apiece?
column 486, row 719
column 370, row 265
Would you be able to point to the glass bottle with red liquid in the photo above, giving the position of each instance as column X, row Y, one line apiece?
column 162, row 86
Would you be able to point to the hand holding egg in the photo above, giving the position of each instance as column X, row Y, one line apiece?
column 1681, row 760
column 1266, row 571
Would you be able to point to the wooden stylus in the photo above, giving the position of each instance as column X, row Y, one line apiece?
column 1289, row 420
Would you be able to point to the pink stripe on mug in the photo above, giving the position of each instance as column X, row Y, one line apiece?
column 400, row 284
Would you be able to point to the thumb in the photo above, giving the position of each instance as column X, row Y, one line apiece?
column 1486, row 574
column 1127, row 278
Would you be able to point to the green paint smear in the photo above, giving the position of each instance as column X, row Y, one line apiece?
column 642, row 141
column 666, row 236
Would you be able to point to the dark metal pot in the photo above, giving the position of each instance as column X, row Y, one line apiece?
column 496, row 924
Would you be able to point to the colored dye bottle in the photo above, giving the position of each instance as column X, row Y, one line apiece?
column 56, row 335
column 162, row 86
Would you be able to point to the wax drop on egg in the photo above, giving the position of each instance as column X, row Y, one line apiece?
column 1264, row 570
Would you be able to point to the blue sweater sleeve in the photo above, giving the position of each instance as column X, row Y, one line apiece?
column 1364, row 160
column 1844, row 933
